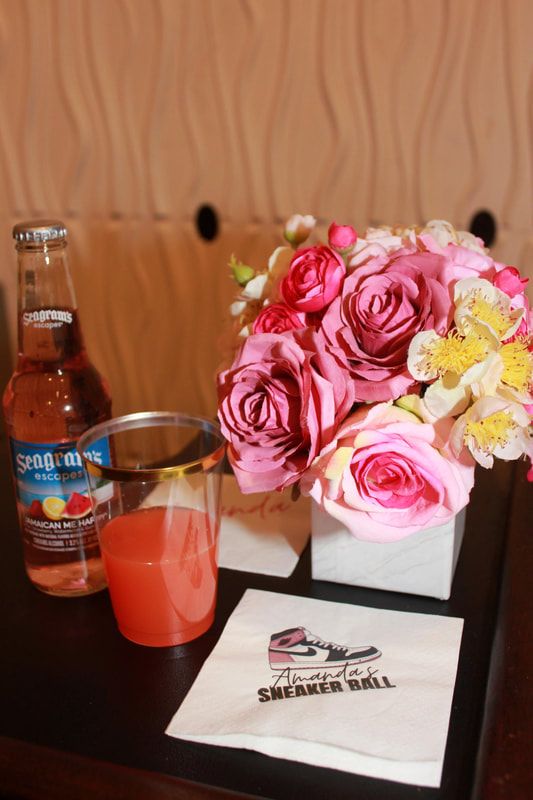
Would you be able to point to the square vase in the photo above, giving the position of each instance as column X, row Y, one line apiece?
column 423, row 563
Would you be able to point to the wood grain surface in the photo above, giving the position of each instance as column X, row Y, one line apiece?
column 124, row 117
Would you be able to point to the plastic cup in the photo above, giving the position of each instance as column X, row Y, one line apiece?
column 156, row 506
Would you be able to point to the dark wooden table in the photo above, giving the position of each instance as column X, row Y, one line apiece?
column 83, row 710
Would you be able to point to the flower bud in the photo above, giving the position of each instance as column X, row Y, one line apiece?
column 298, row 228
column 508, row 280
column 242, row 273
column 342, row 237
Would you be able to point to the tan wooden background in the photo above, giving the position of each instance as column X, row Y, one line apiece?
column 124, row 116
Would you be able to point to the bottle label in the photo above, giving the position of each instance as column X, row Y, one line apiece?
column 47, row 318
column 54, row 506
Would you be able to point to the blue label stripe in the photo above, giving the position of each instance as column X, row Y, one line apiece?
column 52, row 469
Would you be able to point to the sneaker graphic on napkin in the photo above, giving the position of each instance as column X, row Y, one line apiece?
column 299, row 649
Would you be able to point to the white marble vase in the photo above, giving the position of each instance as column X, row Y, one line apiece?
column 423, row 563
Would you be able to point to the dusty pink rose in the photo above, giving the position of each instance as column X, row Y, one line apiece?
column 314, row 278
column 383, row 304
column 279, row 404
column 388, row 475
column 278, row 318
column 341, row 237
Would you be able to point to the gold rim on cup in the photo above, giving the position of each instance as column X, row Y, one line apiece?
column 150, row 419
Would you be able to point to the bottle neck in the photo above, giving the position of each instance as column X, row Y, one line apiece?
column 49, row 329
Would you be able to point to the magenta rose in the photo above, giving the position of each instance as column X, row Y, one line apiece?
column 314, row 278
column 278, row 318
column 388, row 475
column 279, row 404
column 383, row 304
column 510, row 281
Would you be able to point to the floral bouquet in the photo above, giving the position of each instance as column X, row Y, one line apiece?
column 374, row 372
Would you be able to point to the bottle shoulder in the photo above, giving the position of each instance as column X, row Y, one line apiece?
column 53, row 378
column 56, row 404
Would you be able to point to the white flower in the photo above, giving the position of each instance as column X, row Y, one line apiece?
column 237, row 308
column 469, row 366
column 374, row 242
column 477, row 301
column 458, row 363
column 493, row 426
column 385, row 236
column 516, row 376
column 380, row 241
column 442, row 231
column 432, row 356
column 247, row 305
column 471, row 242
column 278, row 263
column 254, row 289
column 444, row 234
column 298, row 228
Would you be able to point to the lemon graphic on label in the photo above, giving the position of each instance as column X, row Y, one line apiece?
column 53, row 507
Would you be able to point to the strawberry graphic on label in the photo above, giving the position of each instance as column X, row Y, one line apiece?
column 36, row 509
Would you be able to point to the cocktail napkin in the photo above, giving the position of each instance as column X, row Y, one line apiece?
column 363, row 690
column 263, row 532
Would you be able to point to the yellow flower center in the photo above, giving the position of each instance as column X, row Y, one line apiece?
column 492, row 431
column 517, row 365
column 454, row 353
column 493, row 315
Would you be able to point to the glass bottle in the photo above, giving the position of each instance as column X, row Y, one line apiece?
column 53, row 396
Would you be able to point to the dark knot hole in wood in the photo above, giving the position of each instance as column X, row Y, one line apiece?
column 483, row 224
column 207, row 223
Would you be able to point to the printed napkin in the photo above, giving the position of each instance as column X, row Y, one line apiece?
column 362, row 690
column 264, row 532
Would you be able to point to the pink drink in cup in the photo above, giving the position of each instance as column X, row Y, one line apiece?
column 169, row 556
column 158, row 523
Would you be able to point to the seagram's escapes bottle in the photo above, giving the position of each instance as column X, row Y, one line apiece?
column 53, row 396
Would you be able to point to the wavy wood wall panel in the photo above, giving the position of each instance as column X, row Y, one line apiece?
column 124, row 117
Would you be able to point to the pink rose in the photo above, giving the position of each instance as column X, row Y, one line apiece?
column 462, row 262
column 388, row 475
column 279, row 404
column 383, row 304
column 278, row 318
column 341, row 237
column 314, row 278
